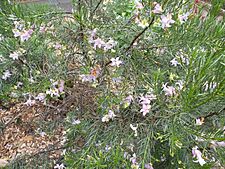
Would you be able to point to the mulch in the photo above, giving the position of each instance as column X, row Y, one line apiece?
column 31, row 130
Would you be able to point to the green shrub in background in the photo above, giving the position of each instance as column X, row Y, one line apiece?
column 157, row 67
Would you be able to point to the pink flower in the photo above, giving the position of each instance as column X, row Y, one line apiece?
column 145, row 100
column 87, row 78
column 199, row 121
column 61, row 86
column 174, row 62
column 16, row 33
column 41, row 97
column 42, row 28
column 145, row 109
column 157, row 9
column 167, row 20
column 148, row 166
column 133, row 159
column 110, row 44
column 98, row 43
column 6, row 75
column 169, row 90
column 93, row 33
column 138, row 5
column 183, row 18
column 197, row 154
column 57, row 45
column 25, row 35
column 128, row 99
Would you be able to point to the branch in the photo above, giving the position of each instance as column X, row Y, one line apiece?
column 97, row 7
column 214, row 113
column 138, row 35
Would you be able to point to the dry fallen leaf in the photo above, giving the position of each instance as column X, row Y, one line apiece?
column 27, row 138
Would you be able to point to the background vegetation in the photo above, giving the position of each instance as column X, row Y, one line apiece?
column 175, row 74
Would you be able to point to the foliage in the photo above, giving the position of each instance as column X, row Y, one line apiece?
column 159, row 79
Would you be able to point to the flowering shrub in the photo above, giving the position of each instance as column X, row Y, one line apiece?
column 158, row 68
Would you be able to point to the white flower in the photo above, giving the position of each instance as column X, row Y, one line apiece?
column 134, row 129
column 61, row 166
column 105, row 118
column 167, row 20
column 197, row 154
column 108, row 116
column 31, row 79
column 1, row 37
column 107, row 148
column 30, row 102
column 210, row 86
column 2, row 59
column 42, row 28
column 143, row 23
column 174, row 62
column 116, row 62
column 6, row 75
column 157, row 9
column 180, row 84
column 14, row 56
column 42, row 133
column 75, row 122
column 53, row 92
column 19, row 84
column 151, row 96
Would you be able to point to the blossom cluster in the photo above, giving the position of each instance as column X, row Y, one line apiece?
column 108, row 116
column 99, row 43
column 145, row 102
column 56, row 89
column 165, row 19
column 21, row 31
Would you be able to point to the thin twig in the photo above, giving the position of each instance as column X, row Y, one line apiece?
column 97, row 7
column 214, row 113
column 139, row 34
